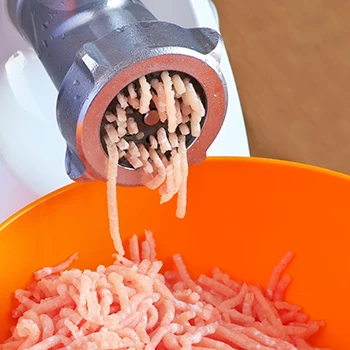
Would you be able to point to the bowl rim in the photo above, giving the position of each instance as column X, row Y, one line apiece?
column 212, row 160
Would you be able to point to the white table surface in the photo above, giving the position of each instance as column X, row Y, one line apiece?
column 29, row 136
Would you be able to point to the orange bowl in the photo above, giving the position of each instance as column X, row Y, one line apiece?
column 243, row 216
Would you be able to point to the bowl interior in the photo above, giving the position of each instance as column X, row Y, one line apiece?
column 243, row 216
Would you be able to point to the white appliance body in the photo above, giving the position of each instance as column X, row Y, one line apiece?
column 29, row 135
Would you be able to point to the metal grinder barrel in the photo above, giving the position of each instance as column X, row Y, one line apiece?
column 92, row 49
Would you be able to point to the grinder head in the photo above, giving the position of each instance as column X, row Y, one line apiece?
column 110, row 48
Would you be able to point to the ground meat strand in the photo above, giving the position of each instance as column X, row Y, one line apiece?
column 180, row 111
